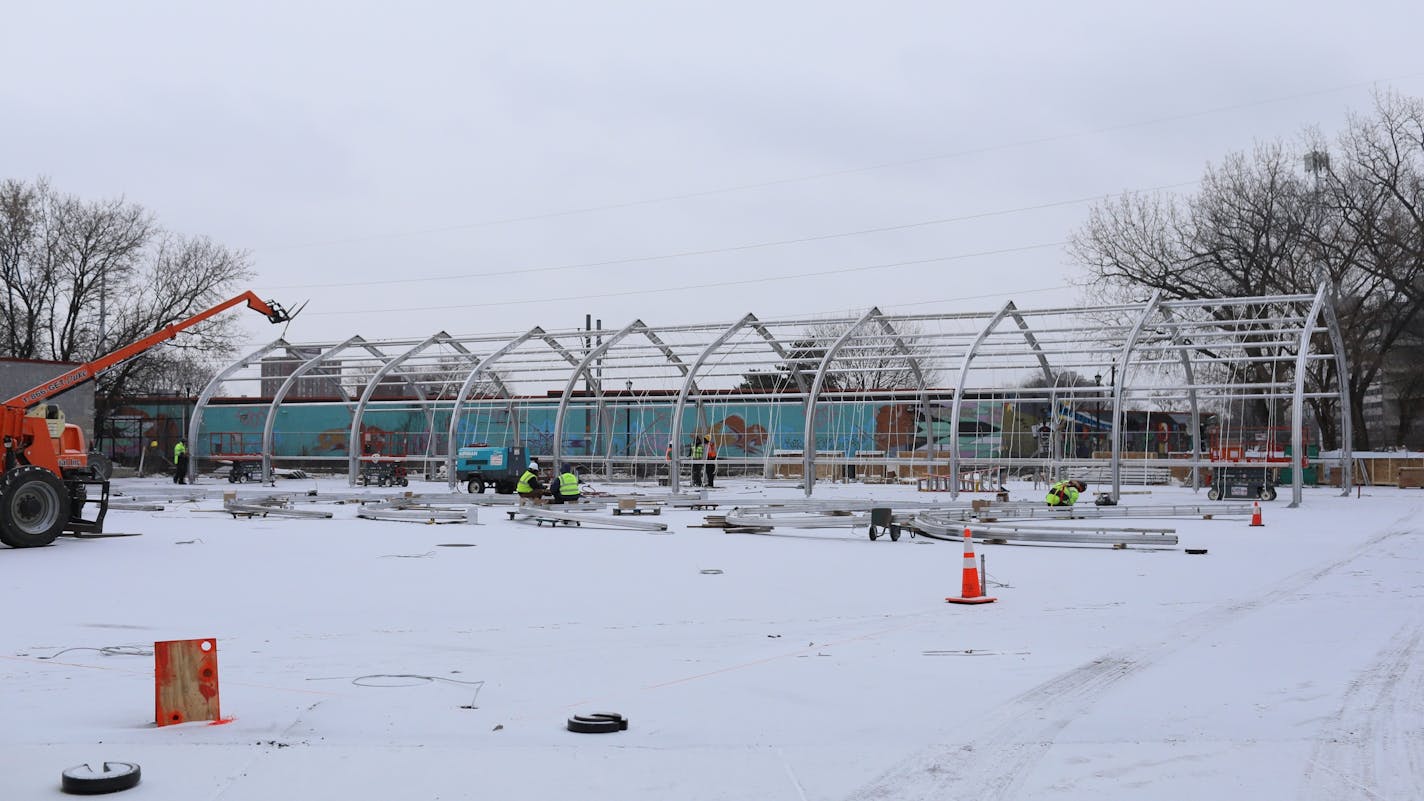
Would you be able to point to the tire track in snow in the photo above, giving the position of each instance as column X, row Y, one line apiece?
column 1012, row 739
column 1373, row 748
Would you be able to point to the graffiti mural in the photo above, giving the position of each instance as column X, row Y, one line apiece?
column 742, row 430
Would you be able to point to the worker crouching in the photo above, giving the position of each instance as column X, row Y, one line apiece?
column 1065, row 493
column 567, row 490
column 530, row 488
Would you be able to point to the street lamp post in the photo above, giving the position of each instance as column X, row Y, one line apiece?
column 1098, row 416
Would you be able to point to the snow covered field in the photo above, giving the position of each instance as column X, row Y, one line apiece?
column 1287, row 663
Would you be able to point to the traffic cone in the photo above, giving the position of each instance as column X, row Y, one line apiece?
column 972, row 594
column 1256, row 514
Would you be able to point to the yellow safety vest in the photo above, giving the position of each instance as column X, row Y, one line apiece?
column 179, row 451
column 1062, row 493
column 524, row 485
column 568, row 484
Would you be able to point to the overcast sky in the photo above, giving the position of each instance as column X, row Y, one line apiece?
column 412, row 167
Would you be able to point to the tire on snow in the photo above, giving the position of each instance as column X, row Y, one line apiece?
column 598, row 723
column 34, row 507
column 115, row 776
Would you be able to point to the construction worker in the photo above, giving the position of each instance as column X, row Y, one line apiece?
column 567, row 490
column 1065, row 493
column 711, row 460
column 530, row 488
column 180, row 462
column 697, row 453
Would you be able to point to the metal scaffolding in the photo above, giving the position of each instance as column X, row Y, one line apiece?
column 563, row 393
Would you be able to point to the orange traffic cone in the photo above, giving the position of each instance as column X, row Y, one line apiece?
column 1256, row 514
column 972, row 594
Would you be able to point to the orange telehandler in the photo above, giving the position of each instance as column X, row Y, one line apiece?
column 48, row 470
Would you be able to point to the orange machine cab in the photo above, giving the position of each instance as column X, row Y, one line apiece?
column 53, row 444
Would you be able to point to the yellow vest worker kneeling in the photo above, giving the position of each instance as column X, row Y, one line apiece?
column 530, row 488
column 568, row 489
column 1065, row 493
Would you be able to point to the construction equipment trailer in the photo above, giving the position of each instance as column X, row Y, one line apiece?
column 49, row 475
column 482, row 465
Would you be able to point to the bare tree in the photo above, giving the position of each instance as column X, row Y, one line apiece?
column 803, row 358
column 181, row 277
column 875, row 359
column 1259, row 224
column 84, row 278
column 25, row 267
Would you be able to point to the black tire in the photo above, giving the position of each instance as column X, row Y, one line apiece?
column 1268, row 493
column 622, row 721
column 873, row 532
column 404, row 482
column 115, row 776
column 1212, row 494
column 476, row 486
column 894, row 534
column 598, row 723
column 101, row 466
column 34, row 507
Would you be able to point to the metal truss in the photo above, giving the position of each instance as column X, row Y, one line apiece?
column 1192, row 355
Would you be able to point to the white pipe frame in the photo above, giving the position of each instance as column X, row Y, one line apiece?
column 1055, row 341
column 451, row 448
column 195, row 423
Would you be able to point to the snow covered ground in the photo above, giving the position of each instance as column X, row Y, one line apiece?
column 1287, row 663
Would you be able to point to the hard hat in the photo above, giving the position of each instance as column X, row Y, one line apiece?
column 533, row 465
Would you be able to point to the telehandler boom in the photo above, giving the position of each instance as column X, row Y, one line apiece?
column 48, row 472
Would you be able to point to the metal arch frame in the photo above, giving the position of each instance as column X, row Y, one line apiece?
column 1347, row 418
column 269, row 425
column 580, row 370
column 460, row 397
column 1031, row 340
column 1048, row 377
column 785, row 355
column 904, row 349
column 1053, row 336
column 201, row 404
column 666, row 351
column 558, row 347
column 957, row 402
column 1115, row 465
column 916, row 369
column 1189, row 374
column 808, row 440
column 1309, row 326
column 688, row 382
column 1008, row 310
column 353, row 455
column 601, row 403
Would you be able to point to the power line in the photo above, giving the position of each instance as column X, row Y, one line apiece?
column 836, row 173
column 665, row 290
column 736, row 248
column 1014, row 293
